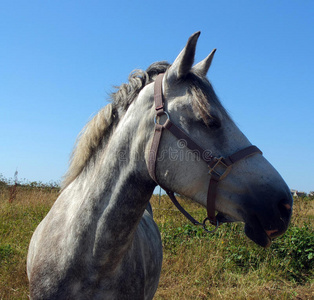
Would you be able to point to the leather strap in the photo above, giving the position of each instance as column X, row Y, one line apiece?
column 211, row 197
column 181, row 209
column 154, row 151
column 159, row 107
column 181, row 135
column 241, row 154
column 158, row 96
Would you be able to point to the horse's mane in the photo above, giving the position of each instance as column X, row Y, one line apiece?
column 102, row 124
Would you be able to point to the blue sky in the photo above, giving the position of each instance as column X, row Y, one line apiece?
column 60, row 59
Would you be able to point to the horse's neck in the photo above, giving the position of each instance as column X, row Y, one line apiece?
column 114, row 192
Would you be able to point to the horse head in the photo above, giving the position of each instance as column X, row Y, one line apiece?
column 253, row 192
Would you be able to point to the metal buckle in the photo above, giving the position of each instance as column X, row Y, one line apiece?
column 204, row 225
column 219, row 161
column 163, row 113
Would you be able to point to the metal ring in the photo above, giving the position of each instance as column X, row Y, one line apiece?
column 164, row 113
column 210, row 231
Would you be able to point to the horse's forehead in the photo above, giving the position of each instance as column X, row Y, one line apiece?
column 195, row 103
column 191, row 98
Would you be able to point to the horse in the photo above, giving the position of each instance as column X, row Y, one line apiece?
column 99, row 240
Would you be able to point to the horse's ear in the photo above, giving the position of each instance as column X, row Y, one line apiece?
column 202, row 67
column 183, row 63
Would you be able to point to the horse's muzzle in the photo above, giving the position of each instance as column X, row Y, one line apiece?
column 265, row 224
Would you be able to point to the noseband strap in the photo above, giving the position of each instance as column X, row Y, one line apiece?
column 219, row 167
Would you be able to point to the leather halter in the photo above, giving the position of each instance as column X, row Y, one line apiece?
column 214, row 163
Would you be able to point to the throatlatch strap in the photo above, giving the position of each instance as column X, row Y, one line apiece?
column 181, row 209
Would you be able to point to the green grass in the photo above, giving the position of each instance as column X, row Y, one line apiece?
column 224, row 265
column 227, row 265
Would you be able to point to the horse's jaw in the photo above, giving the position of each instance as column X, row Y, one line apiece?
column 257, row 234
column 253, row 230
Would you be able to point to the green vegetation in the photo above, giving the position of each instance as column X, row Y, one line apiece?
column 293, row 253
column 227, row 265
column 224, row 265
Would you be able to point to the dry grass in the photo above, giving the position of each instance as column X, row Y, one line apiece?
column 18, row 220
column 303, row 210
column 195, row 266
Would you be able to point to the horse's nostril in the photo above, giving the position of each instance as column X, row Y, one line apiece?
column 285, row 210
column 287, row 206
column 270, row 233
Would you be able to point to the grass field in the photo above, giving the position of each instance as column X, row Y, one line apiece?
column 224, row 265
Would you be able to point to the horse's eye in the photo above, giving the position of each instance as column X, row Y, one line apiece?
column 214, row 123
column 211, row 123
